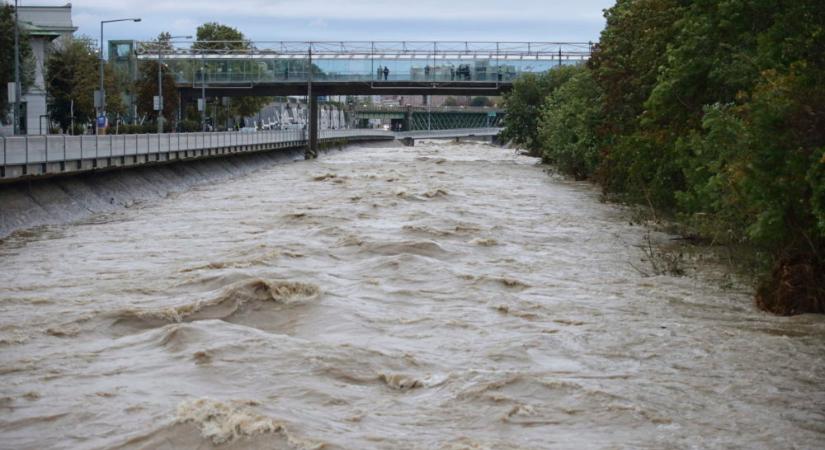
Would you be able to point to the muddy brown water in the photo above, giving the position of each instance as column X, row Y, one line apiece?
column 437, row 297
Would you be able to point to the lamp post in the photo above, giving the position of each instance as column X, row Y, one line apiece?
column 102, row 96
column 16, row 70
column 203, row 96
column 160, row 78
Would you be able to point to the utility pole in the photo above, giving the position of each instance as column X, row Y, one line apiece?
column 16, row 69
column 100, row 101
column 160, row 90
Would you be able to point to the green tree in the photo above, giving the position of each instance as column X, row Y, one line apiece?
column 638, row 162
column 214, row 38
column 569, row 125
column 524, row 104
column 146, row 86
column 7, row 57
column 146, row 90
column 72, row 77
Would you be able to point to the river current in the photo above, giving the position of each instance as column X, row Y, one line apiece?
column 446, row 296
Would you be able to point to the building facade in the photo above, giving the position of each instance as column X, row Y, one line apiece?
column 45, row 25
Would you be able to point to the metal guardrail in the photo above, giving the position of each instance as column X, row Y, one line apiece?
column 27, row 150
column 45, row 149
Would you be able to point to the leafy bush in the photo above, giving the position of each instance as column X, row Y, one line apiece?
column 568, row 124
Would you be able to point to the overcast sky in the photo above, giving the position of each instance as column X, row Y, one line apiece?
column 262, row 20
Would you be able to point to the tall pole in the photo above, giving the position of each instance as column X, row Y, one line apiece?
column 16, row 70
column 160, row 90
column 101, row 107
column 203, row 93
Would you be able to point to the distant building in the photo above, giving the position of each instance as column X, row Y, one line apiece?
column 44, row 24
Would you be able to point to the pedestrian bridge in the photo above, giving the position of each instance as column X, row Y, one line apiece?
column 226, row 68
column 419, row 118
column 48, row 155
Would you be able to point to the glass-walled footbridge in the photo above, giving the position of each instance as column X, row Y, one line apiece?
column 278, row 68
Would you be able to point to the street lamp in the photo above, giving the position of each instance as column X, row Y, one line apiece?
column 16, row 70
column 160, row 79
column 101, row 101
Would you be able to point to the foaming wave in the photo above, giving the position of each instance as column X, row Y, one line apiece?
column 226, row 422
column 222, row 307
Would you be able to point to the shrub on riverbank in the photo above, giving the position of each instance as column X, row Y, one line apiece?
column 711, row 110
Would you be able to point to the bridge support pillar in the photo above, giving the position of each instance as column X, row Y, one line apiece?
column 312, row 127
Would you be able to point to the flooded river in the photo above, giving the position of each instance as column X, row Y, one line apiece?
column 446, row 296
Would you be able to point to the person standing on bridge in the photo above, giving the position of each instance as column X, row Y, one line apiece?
column 380, row 72
column 427, row 71
column 452, row 72
column 386, row 73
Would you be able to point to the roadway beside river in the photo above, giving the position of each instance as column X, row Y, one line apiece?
column 442, row 296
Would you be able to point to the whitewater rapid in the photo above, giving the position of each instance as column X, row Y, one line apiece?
column 445, row 296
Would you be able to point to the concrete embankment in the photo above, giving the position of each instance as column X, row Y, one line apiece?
column 66, row 199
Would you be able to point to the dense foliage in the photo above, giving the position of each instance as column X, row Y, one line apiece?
column 711, row 109
column 72, row 75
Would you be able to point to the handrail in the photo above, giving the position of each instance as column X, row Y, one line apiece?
column 26, row 150
column 37, row 149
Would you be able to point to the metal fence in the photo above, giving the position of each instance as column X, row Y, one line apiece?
column 58, row 148
column 24, row 150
